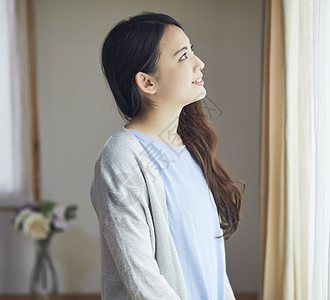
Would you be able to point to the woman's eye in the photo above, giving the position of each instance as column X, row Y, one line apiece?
column 183, row 57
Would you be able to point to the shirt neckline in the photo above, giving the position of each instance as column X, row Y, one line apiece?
column 157, row 140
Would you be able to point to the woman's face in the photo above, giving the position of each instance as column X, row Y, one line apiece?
column 178, row 68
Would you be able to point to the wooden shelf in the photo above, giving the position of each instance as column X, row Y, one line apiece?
column 62, row 297
column 239, row 296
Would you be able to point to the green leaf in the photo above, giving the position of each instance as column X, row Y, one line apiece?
column 70, row 212
column 46, row 206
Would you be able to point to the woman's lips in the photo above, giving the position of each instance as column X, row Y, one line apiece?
column 199, row 81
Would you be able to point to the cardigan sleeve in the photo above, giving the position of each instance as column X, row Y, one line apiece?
column 119, row 196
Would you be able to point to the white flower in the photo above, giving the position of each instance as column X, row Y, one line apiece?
column 36, row 226
column 59, row 218
column 21, row 217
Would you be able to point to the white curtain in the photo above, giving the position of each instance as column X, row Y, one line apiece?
column 15, row 130
column 295, row 160
column 307, row 61
column 297, row 143
column 318, row 70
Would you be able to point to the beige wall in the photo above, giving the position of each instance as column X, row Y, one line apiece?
column 77, row 115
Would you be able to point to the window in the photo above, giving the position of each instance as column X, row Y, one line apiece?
column 15, row 142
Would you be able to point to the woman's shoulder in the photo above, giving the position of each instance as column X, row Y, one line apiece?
column 122, row 147
column 122, row 141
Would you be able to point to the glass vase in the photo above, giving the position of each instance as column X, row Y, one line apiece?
column 44, row 283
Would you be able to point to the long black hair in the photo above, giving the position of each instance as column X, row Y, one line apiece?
column 132, row 46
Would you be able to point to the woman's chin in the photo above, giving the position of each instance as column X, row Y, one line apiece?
column 201, row 95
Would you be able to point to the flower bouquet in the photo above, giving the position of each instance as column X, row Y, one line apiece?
column 39, row 221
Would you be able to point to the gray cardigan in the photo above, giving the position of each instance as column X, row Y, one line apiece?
column 139, row 258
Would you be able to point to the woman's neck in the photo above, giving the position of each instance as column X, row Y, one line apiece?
column 160, row 126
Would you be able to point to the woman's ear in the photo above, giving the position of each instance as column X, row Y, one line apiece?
column 145, row 82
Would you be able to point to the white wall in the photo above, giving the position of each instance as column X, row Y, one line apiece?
column 77, row 115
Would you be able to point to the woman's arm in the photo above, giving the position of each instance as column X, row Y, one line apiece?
column 119, row 195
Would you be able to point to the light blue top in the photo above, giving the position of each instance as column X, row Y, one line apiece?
column 193, row 219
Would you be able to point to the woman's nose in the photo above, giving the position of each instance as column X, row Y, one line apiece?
column 199, row 63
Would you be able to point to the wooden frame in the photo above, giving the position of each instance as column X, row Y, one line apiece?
column 33, row 96
column 31, row 57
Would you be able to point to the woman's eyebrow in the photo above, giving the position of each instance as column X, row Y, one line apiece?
column 183, row 48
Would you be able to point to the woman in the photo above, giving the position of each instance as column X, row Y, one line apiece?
column 161, row 196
